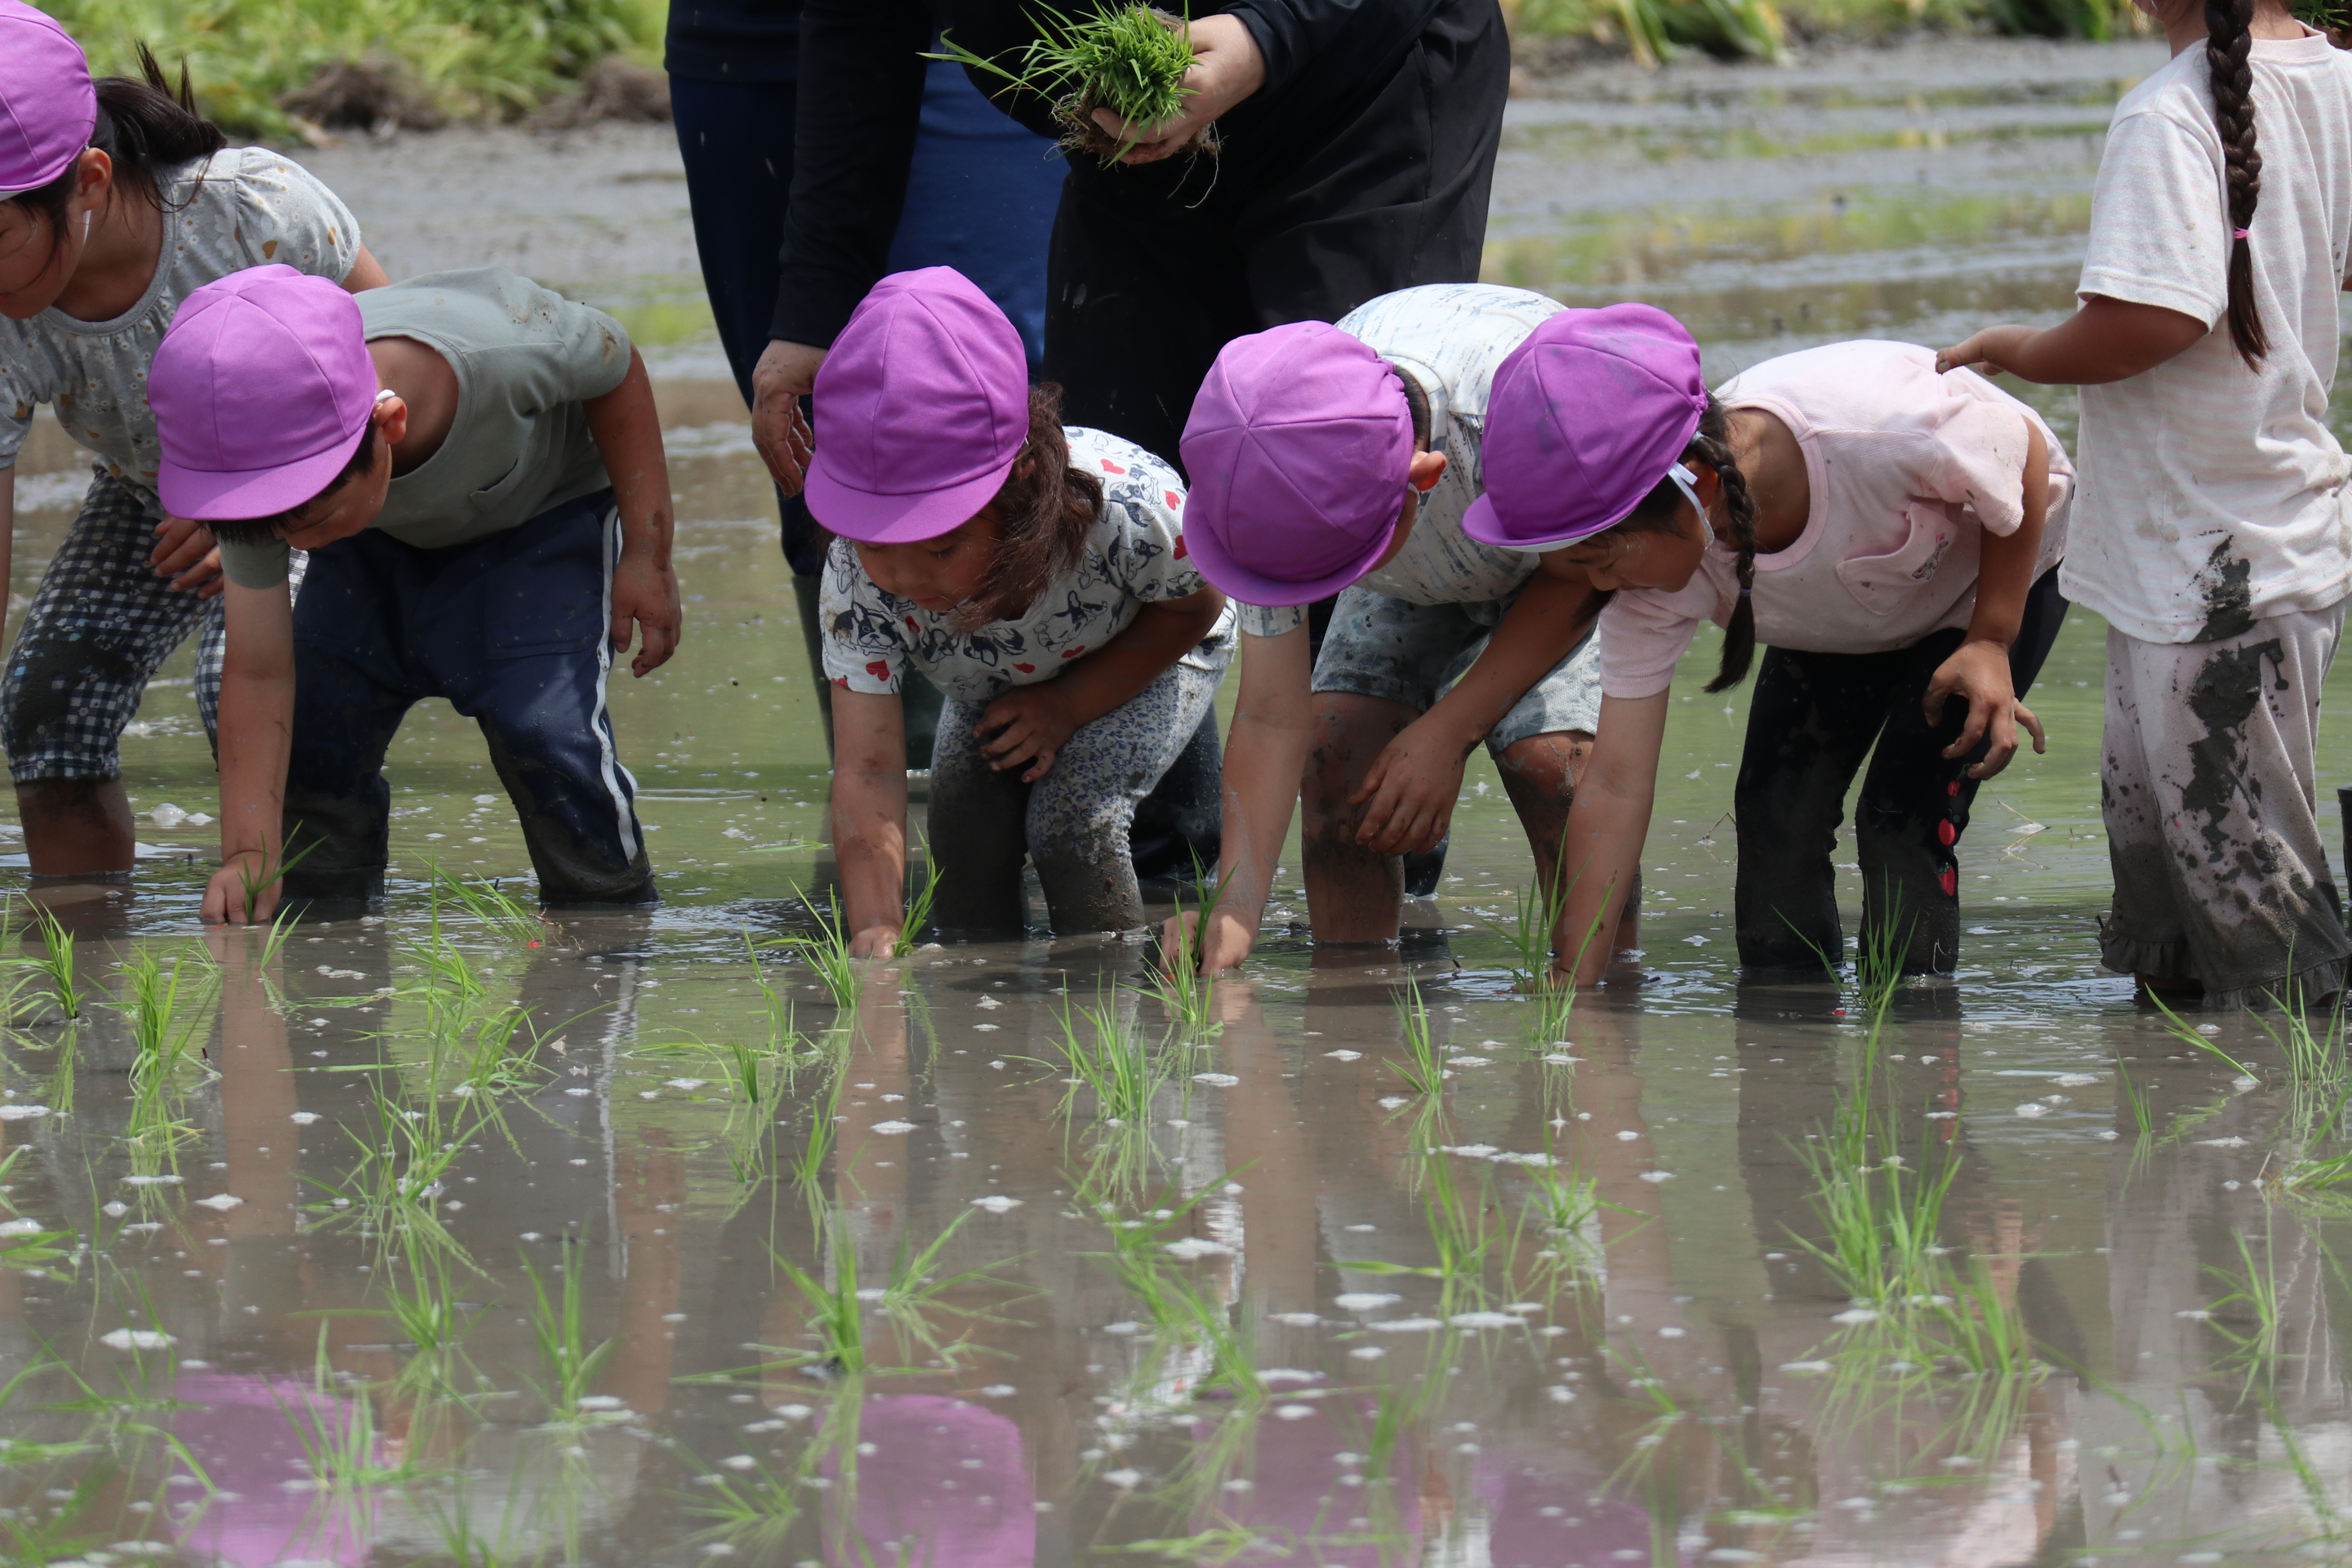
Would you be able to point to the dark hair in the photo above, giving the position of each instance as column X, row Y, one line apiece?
column 264, row 529
column 145, row 127
column 1042, row 511
column 1657, row 512
column 1416, row 402
column 2229, row 43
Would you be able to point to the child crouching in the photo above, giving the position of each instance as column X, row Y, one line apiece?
column 1035, row 574
column 475, row 466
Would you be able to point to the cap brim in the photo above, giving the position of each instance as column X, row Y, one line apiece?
column 1230, row 577
column 870, row 517
column 211, row 495
column 1480, row 524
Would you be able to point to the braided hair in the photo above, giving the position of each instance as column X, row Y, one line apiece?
column 2229, row 44
column 1656, row 513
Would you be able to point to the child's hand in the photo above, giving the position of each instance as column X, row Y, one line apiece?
column 1980, row 672
column 184, row 553
column 1031, row 725
column 646, row 595
column 1228, row 941
column 227, row 900
column 1986, row 351
column 1410, row 790
column 877, row 941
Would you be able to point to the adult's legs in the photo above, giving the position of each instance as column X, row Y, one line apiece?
column 2209, row 792
column 1079, row 814
column 1915, row 803
column 977, row 832
column 1810, row 719
column 99, row 627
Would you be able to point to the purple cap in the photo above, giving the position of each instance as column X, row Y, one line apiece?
column 1585, row 418
column 261, row 390
column 48, row 108
column 922, row 408
column 1299, row 447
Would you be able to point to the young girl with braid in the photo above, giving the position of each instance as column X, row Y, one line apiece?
column 1888, row 533
column 2212, row 532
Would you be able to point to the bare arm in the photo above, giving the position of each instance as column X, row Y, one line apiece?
column 1603, row 846
column 1412, row 784
column 628, row 429
column 1265, row 754
column 1029, row 724
column 870, row 816
column 1979, row 668
column 2105, row 340
column 256, row 727
column 366, row 272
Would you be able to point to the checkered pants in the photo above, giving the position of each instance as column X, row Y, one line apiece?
column 100, row 626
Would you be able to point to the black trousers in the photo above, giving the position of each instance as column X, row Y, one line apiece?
column 1154, row 269
column 1813, row 718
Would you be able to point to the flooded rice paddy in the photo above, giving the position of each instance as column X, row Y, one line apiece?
column 456, row 1237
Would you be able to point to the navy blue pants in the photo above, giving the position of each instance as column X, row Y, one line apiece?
column 513, row 631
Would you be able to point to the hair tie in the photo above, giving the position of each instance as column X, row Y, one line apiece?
column 2239, row 234
column 1745, row 591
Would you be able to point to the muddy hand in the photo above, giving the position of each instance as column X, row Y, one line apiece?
column 1408, row 797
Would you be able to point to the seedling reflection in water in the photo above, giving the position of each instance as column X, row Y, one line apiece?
column 838, row 1304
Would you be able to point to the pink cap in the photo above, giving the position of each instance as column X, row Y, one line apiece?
column 48, row 107
column 1299, row 447
column 1585, row 419
column 261, row 390
column 922, row 408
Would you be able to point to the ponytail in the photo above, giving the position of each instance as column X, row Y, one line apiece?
column 1710, row 447
column 2229, row 44
column 145, row 126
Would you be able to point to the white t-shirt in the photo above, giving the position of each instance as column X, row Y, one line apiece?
column 1908, row 470
column 1134, row 556
column 1450, row 338
column 2212, row 494
column 252, row 206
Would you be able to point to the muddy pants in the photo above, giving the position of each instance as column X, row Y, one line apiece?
column 2209, row 795
column 513, row 631
column 1073, row 824
column 1813, row 718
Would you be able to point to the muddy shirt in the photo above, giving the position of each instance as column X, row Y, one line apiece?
column 2213, row 494
column 1450, row 338
column 239, row 208
column 1134, row 556
column 526, row 359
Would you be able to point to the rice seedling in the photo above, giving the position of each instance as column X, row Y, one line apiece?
column 55, row 962
column 405, row 1156
column 421, row 1304
column 1536, row 911
column 166, row 1003
column 257, row 880
column 826, row 953
column 489, row 902
column 1177, row 983
column 1465, row 1230
column 815, row 1152
column 753, row 1510
column 343, row 1449
column 568, row 1363
column 1147, row 1258
column 1127, row 59
column 2250, row 1318
column 1424, row 1072
column 1879, row 957
column 1880, row 1219
column 2198, row 1041
column 920, row 902
column 907, row 1299
column 1110, row 1059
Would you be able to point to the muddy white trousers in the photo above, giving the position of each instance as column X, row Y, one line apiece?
column 2210, row 802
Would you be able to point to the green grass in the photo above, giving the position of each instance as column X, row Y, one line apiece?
column 55, row 962
column 826, row 953
column 1122, row 57
column 466, row 59
column 1177, row 983
column 1423, row 1070
column 568, row 1362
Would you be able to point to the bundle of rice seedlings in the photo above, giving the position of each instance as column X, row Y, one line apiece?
column 1130, row 59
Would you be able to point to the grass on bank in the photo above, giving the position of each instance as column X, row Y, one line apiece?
column 452, row 57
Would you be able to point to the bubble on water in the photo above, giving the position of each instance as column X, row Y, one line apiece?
column 996, row 1203
column 137, row 1340
column 1293, row 1412
column 2033, row 1109
column 1365, row 1300
column 1297, row 1320
column 22, row 1112
column 894, row 1129
column 1345, row 1056
column 1855, row 1315
column 303, row 1118
column 222, row 1201
column 1192, row 1248
column 1216, row 1079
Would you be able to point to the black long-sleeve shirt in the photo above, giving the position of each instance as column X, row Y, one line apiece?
column 861, row 89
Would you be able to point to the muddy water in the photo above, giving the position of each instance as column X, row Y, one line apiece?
column 440, row 1239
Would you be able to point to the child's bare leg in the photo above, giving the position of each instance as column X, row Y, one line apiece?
column 1539, row 774
column 76, row 828
column 1352, row 893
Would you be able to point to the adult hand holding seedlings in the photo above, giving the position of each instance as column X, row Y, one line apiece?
column 1227, row 68
column 786, row 374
